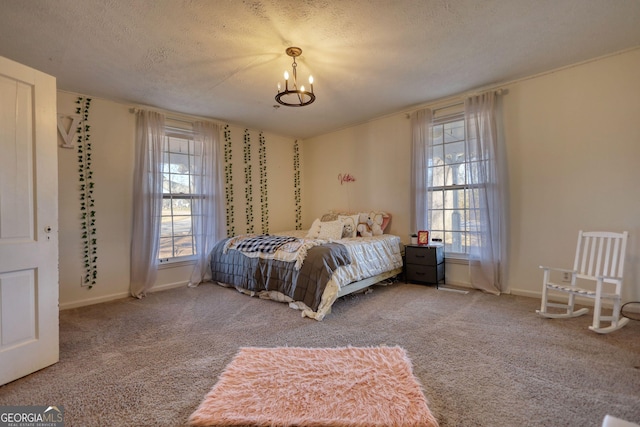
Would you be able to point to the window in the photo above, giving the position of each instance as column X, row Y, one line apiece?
column 181, row 156
column 450, row 214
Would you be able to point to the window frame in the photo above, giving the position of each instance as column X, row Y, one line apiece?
column 450, row 115
column 185, row 134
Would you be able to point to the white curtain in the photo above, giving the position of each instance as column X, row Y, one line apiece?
column 486, row 202
column 421, row 178
column 209, row 210
column 147, row 201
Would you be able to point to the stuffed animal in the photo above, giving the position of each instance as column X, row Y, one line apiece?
column 376, row 223
column 370, row 224
column 363, row 225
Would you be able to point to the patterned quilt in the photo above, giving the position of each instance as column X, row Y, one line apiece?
column 263, row 243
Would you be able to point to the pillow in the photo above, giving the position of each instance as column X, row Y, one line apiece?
column 329, row 216
column 350, row 223
column 331, row 230
column 386, row 218
column 314, row 231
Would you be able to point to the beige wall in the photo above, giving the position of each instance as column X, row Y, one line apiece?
column 573, row 142
column 112, row 138
column 573, row 154
column 377, row 155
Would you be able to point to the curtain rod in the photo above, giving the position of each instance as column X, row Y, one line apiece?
column 174, row 116
column 462, row 97
column 454, row 100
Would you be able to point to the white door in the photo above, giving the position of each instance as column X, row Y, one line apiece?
column 28, row 221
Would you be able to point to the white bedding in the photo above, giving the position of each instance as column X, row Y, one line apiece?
column 370, row 256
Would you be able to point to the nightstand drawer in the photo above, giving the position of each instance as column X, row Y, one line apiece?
column 424, row 273
column 424, row 255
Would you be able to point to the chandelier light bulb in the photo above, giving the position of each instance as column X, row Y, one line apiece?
column 310, row 80
column 286, row 75
column 302, row 88
column 279, row 88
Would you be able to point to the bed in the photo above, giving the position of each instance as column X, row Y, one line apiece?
column 308, row 269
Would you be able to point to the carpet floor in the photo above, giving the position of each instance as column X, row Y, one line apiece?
column 483, row 360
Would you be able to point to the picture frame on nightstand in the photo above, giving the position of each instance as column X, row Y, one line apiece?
column 423, row 237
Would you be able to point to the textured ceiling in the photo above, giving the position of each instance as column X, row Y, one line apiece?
column 222, row 59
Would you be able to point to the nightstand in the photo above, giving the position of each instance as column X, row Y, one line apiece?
column 424, row 264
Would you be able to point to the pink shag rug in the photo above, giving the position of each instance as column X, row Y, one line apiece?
column 291, row 386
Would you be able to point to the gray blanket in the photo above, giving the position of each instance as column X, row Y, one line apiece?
column 258, row 274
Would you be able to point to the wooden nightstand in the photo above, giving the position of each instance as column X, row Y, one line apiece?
column 424, row 264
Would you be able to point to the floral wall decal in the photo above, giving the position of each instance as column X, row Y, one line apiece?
column 87, row 202
column 228, row 182
column 248, row 180
column 296, row 184
column 264, row 205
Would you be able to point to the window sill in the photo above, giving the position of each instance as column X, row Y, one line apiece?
column 176, row 263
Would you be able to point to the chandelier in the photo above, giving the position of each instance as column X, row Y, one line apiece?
column 294, row 97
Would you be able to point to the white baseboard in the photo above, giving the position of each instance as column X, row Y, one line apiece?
column 525, row 293
column 119, row 295
column 520, row 292
column 92, row 301
column 166, row 286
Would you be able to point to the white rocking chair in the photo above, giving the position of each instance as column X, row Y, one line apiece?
column 600, row 259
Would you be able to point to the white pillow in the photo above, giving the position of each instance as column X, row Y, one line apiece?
column 350, row 225
column 314, row 231
column 331, row 230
